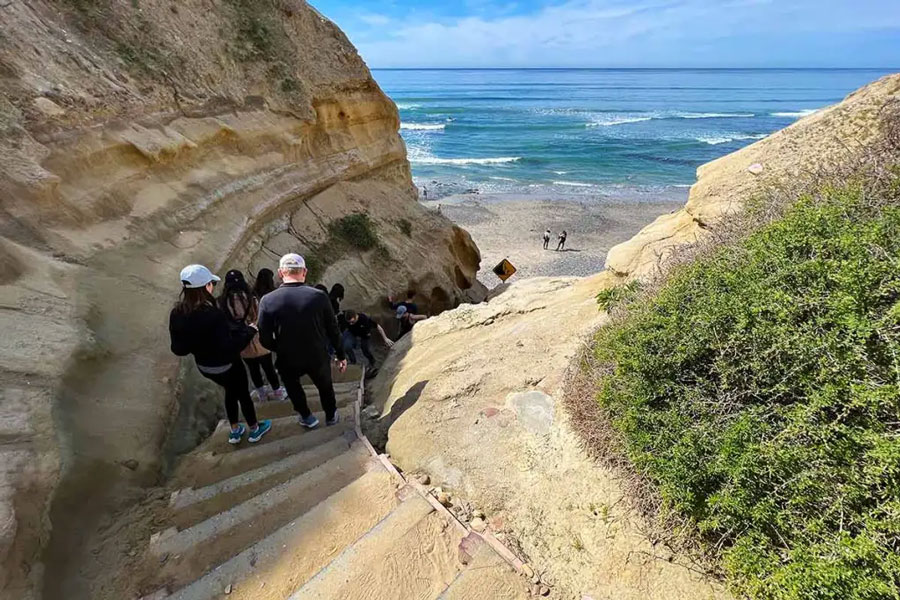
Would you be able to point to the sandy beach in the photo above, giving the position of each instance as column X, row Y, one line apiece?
column 511, row 226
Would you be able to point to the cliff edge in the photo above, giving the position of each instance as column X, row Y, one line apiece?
column 135, row 138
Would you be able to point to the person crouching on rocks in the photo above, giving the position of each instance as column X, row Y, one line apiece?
column 197, row 326
column 359, row 330
column 242, row 306
column 407, row 319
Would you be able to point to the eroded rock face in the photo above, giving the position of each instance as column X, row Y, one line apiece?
column 136, row 138
column 812, row 147
column 473, row 399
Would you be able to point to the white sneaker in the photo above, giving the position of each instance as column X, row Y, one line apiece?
column 258, row 395
column 279, row 394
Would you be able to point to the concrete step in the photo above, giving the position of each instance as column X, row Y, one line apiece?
column 487, row 577
column 282, row 427
column 194, row 551
column 190, row 506
column 283, row 408
column 277, row 565
column 410, row 554
column 202, row 469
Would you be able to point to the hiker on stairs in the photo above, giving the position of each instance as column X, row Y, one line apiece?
column 242, row 306
column 295, row 321
column 197, row 326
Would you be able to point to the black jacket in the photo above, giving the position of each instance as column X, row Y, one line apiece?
column 208, row 334
column 296, row 321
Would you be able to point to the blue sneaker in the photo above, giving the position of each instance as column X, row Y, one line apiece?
column 333, row 420
column 235, row 436
column 262, row 428
column 309, row 422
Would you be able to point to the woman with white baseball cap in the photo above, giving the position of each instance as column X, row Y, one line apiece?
column 197, row 326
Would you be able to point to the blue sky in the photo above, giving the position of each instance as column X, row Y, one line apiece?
column 616, row 33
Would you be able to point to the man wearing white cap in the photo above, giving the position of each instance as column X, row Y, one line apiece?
column 296, row 321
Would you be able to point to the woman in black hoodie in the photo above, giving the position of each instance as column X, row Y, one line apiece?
column 197, row 326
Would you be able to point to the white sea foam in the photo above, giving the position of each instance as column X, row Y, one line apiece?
column 407, row 106
column 423, row 126
column 560, row 172
column 572, row 183
column 715, row 140
column 795, row 113
column 712, row 115
column 434, row 160
column 610, row 121
column 504, row 178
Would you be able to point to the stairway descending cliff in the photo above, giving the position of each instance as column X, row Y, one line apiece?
column 314, row 514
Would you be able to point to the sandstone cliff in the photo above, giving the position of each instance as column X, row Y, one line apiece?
column 474, row 397
column 136, row 137
column 823, row 143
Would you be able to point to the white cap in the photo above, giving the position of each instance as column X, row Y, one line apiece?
column 196, row 276
column 292, row 261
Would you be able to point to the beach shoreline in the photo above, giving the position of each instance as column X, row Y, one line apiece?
column 511, row 226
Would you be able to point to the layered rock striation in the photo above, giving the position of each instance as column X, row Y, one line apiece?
column 135, row 138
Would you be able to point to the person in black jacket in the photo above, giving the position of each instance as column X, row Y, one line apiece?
column 197, row 326
column 296, row 322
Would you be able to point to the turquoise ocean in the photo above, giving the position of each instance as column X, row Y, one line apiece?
column 628, row 133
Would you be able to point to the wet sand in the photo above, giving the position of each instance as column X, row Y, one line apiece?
column 509, row 226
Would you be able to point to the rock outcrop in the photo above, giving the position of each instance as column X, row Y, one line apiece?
column 473, row 399
column 136, row 137
column 819, row 144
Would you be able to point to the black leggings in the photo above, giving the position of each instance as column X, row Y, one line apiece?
column 234, row 380
column 321, row 378
column 263, row 362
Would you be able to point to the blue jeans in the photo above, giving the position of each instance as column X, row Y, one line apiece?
column 352, row 342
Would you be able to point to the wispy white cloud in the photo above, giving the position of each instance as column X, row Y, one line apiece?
column 627, row 33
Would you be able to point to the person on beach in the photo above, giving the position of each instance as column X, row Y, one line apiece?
column 407, row 319
column 561, row 245
column 242, row 306
column 359, row 330
column 425, row 193
column 265, row 283
column 296, row 322
column 197, row 326
column 546, row 239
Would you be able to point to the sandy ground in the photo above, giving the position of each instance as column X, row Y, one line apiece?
column 511, row 226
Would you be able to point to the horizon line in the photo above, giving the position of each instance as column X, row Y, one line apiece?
column 897, row 69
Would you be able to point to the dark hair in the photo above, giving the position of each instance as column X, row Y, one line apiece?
column 193, row 298
column 350, row 314
column 265, row 283
column 236, row 294
column 321, row 287
column 337, row 292
column 410, row 294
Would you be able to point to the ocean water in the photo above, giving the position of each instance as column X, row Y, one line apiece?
column 602, row 132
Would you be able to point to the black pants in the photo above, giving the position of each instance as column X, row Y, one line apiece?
column 234, row 380
column 561, row 244
column 321, row 378
column 546, row 242
column 263, row 362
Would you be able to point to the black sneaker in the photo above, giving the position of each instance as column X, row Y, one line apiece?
column 333, row 420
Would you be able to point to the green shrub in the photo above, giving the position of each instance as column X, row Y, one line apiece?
column 356, row 230
column 760, row 392
column 613, row 297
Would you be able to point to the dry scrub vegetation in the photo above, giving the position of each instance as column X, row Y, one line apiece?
column 752, row 395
